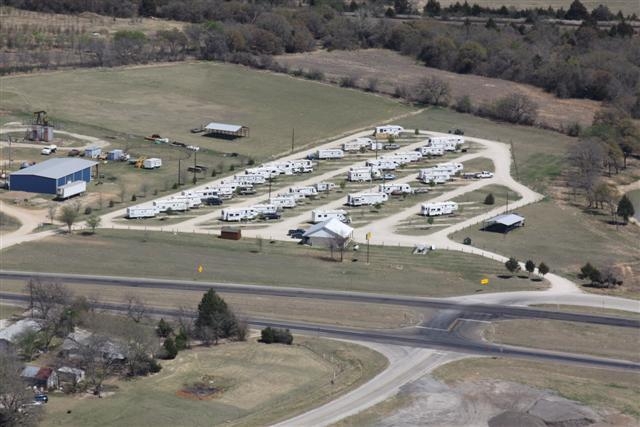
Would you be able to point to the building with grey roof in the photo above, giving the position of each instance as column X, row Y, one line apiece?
column 46, row 177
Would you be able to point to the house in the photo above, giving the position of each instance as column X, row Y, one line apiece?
column 331, row 233
column 504, row 223
column 75, row 342
column 41, row 377
column 11, row 332
column 46, row 177
column 225, row 130
column 69, row 375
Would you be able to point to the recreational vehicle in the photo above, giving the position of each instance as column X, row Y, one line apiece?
column 330, row 153
column 407, row 156
column 306, row 191
column 250, row 179
column 451, row 166
column 265, row 209
column 319, row 215
column 142, row 211
column 238, row 214
column 176, row 205
column 361, row 199
column 434, row 175
column 383, row 164
column 283, row 201
column 438, row 208
column 362, row 174
column 388, row 130
column 324, row 186
column 358, row 144
column 395, row 188
column 431, row 151
column 302, row 165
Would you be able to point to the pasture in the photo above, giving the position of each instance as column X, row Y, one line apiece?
column 626, row 6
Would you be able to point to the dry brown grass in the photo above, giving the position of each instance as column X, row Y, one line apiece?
column 392, row 69
column 627, row 6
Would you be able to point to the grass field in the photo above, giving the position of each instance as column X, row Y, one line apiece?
column 590, row 310
column 260, row 384
column 8, row 223
column 577, row 239
column 593, row 387
column 570, row 337
column 164, row 255
column 6, row 311
column 626, row 6
column 171, row 99
column 253, row 306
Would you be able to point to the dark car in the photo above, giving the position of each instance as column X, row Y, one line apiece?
column 391, row 146
column 295, row 231
column 270, row 215
column 42, row 398
column 212, row 201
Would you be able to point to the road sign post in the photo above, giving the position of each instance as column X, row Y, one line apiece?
column 368, row 239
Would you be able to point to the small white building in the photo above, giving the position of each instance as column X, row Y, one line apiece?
column 331, row 233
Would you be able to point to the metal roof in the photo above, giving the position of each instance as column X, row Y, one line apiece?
column 329, row 229
column 507, row 219
column 56, row 168
column 223, row 127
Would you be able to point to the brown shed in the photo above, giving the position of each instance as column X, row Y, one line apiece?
column 230, row 233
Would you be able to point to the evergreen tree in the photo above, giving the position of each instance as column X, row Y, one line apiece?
column 577, row 12
column 170, row 348
column 163, row 329
column 543, row 269
column 625, row 208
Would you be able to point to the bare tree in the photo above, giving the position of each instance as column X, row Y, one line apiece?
column 122, row 191
column 97, row 360
column 186, row 323
column 136, row 309
column 69, row 215
column 51, row 211
column 14, row 395
column 434, row 91
column 49, row 302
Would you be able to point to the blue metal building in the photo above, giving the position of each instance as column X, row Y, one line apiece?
column 47, row 176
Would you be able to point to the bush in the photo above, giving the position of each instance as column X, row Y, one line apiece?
column 182, row 340
column 314, row 75
column 88, row 210
column 574, row 129
column 134, row 198
column 348, row 81
column 163, row 329
column 466, row 241
column 170, row 349
column 271, row 335
column 463, row 104
column 111, row 203
column 489, row 200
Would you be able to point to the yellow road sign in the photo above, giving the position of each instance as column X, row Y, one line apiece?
column 369, row 236
column 484, row 281
column 200, row 269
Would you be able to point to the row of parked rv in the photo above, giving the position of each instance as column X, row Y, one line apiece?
column 440, row 173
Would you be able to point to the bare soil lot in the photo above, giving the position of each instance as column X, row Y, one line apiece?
column 392, row 69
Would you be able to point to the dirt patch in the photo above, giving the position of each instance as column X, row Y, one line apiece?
column 205, row 389
column 392, row 69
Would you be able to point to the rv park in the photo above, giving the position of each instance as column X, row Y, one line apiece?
column 379, row 234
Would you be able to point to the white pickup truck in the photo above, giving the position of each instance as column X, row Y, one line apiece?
column 49, row 149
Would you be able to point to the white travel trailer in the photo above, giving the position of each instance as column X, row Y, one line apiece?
column 358, row 144
column 431, row 151
column 438, row 208
column 142, row 211
column 218, row 191
column 295, row 196
column 319, row 215
column 383, row 164
column 266, row 171
column 302, row 165
column 238, row 214
column 387, row 130
column 254, row 179
column 324, row 186
column 395, row 188
column 448, row 143
column 363, row 174
column 265, row 209
column 398, row 160
column 306, row 191
column 434, row 175
column 178, row 205
column 407, row 156
column 361, row 199
column 152, row 163
column 280, row 168
column 330, row 153
column 451, row 166
column 192, row 200
column 283, row 201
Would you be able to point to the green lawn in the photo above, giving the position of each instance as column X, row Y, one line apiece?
column 565, row 239
column 170, row 100
column 538, row 153
column 259, row 383
column 157, row 254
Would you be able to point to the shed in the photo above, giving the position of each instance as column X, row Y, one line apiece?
column 504, row 223
column 67, row 374
column 116, row 154
column 230, row 233
column 226, row 130
column 47, row 176
column 331, row 233
column 40, row 377
column 92, row 152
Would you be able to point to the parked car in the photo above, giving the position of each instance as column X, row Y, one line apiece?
column 41, row 398
column 295, row 231
column 390, row 146
column 212, row 201
column 388, row 176
column 270, row 215
column 74, row 153
column 484, row 174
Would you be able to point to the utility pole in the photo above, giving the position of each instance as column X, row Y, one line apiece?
column 179, row 168
column 293, row 138
column 195, row 160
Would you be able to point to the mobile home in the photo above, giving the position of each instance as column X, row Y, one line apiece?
column 319, row 215
column 361, row 199
column 438, row 208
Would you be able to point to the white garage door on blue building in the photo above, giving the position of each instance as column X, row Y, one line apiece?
column 46, row 177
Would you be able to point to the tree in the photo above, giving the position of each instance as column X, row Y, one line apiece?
column 128, row 46
column 51, row 211
column 13, row 394
column 432, row 8
column 489, row 200
column 434, row 91
column 588, row 271
column 50, row 303
column 530, row 266
column 271, row 335
column 97, row 363
column 625, row 208
column 514, row 108
column 164, row 329
column 171, row 351
column 136, row 309
column 68, row 215
column 512, row 265
column 577, row 12
column 463, row 104
column 214, row 319
column 543, row 269
column 94, row 222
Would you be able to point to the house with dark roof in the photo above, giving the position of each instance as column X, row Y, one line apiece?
column 41, row 377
